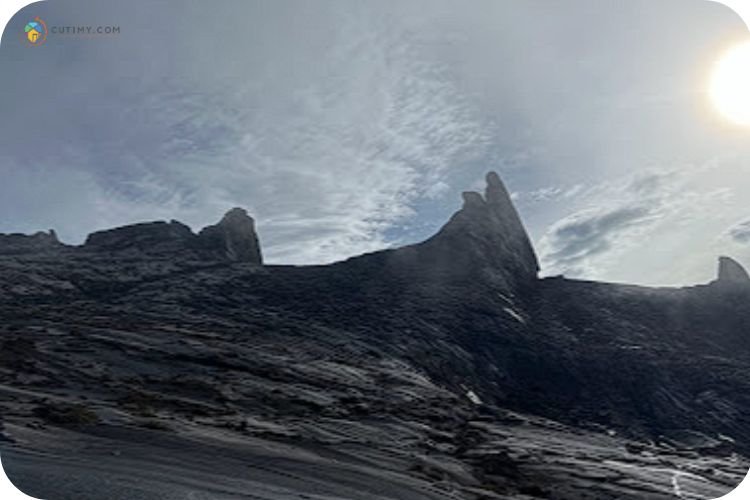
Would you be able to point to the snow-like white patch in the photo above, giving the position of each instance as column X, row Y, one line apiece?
column 473, row 397
column 514, row 315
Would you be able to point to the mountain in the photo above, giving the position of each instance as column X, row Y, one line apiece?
column 485, row 241
column 232, row 239
column 731, row 272
column 21, row 243
column 154, row 362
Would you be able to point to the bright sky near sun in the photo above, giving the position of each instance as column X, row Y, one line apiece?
column 730, row 84
column 346, row 127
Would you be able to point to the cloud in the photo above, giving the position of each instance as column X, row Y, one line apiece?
column 547, row 194
column 740, row 233
column 618, row 213
column 345, row 127
column 329, row 134
column 570, row 244
column 655, row 227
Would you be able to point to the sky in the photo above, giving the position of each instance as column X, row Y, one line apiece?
column 348, row 126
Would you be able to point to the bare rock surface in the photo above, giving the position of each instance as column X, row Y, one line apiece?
column 146, row 237
column 150, row 364
column 21, row 243
column 234, row 237
column 732, row 272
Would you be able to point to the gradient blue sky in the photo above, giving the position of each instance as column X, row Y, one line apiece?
column 348, row 126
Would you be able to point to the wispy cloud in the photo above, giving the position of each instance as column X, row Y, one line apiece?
column 328, row 138
column 358, row 147
column 344, row 127
column 662, row 226
column 618, row 214
column 741, row 232
column 571, row 245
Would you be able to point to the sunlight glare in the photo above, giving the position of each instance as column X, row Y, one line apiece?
column 730, row 84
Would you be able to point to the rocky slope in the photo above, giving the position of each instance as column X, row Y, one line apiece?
column 175, row 364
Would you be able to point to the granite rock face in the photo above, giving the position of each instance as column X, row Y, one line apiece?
column 147, row 237
column 731, row 272
column 445, row 369
column 233, row 238
column 484, row 241
column 487, row 233
column 20, row 243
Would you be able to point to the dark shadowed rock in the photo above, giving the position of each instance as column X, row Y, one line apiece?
column 488, row 233
column 505, row 224
column 731, row 272
column 233, row 238
column 41, row 241
column 484, row 240
column 147, row 237
column 360, row 379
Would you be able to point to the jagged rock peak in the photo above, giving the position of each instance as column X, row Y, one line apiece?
column 495, row 192
column 731, row 271
column 496, row 217
column 234, row 237
column 472, row 199
column 237, row 217
column 485, row 238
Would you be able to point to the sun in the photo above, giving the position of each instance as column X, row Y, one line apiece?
column 730, row 84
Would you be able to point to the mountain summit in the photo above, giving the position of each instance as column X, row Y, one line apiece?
column 234, row 237
column 484, row 240
column 732, row 272
column 150, row 237
column 494, row 225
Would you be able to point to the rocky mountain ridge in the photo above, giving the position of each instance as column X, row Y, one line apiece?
column 232, row 239
column 444, row 369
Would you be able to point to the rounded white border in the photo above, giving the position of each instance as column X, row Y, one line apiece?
column 8, row 490
column 741, row 7
column 9, row 8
